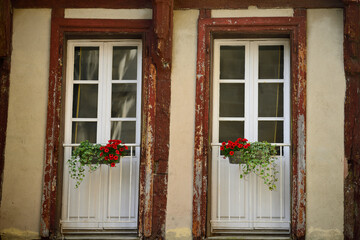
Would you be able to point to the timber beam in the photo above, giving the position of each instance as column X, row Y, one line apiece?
column 5, row 55
column 352, row 119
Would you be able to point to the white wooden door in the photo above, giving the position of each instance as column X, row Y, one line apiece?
column 251, row 99
column 103, row 101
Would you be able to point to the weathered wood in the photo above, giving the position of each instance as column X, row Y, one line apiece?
column 352, row 120
column 179, row 4
column 295, row 27
column 5, row 57
column 161, row 60
column 232, row 4
column 82, row 4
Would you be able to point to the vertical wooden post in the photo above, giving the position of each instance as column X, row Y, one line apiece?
column 352, row 119
column 160, row 74
column 5, row 56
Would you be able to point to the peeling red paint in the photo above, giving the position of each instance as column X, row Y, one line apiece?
column 179, row 4
column 296, row 28
column 231, row 4
column 352, row 116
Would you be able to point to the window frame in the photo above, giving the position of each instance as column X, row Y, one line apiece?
column 251, row 120
column 210, row 28
column 103, row 121
column 61, row 30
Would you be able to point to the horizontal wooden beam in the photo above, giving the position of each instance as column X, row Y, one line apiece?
column 178, row 4
column 232, row 4
column 116, row 4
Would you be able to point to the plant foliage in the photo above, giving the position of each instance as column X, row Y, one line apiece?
column 256, row 157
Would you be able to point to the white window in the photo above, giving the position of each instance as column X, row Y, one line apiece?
column 103, row 101
column 251, row 99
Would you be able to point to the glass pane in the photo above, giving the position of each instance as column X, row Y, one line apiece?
column 232, row 62
column 86, row 63
column 125, row 131
column 82, row 131
column 85, row 98
column 232, row 100
column 123, row 100
column 124, row 63
column 271, row 62
column 230, row 130
column 271, row 131
column 271, row 99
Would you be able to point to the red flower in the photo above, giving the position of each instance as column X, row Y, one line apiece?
column 121, row 149
column 106, row 150
column 223, row 143
column 116, row 157
column 117, row 152
column 245, row 140
column 240, row 145
column 231, row 147
column 239, row 140
column 106, row 158
column 114, row 146
column 111, row 155
column 126, row 147
column 101, row 154
column 222, row 148
column 112, row 164
column 231, row 153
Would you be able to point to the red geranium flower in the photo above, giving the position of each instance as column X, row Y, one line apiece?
column 223, row 143
column 106, row 150
column 121, row 149
column 222, row 148
column 117, row 152
column 231, row 153
column 112, row 164
column 116, row 157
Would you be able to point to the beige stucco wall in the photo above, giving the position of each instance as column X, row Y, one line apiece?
column 24, row 153
column 182, row 125
column 101, row 13
column 325, row 124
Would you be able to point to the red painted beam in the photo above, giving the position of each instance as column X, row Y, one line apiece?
column 235, row 4
column 178, row 4
column 352, row 120
column 82, row 4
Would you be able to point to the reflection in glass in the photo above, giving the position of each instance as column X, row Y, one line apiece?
column 82, row 131
column 271, row 131
column 271, row 62
column 123, row 100
column 86, row 63
column 230, row 130
column 125, row 131
column 270, row 100
column 85, row 100
column 231, row 100
column 232, row 62
column 124, row 65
